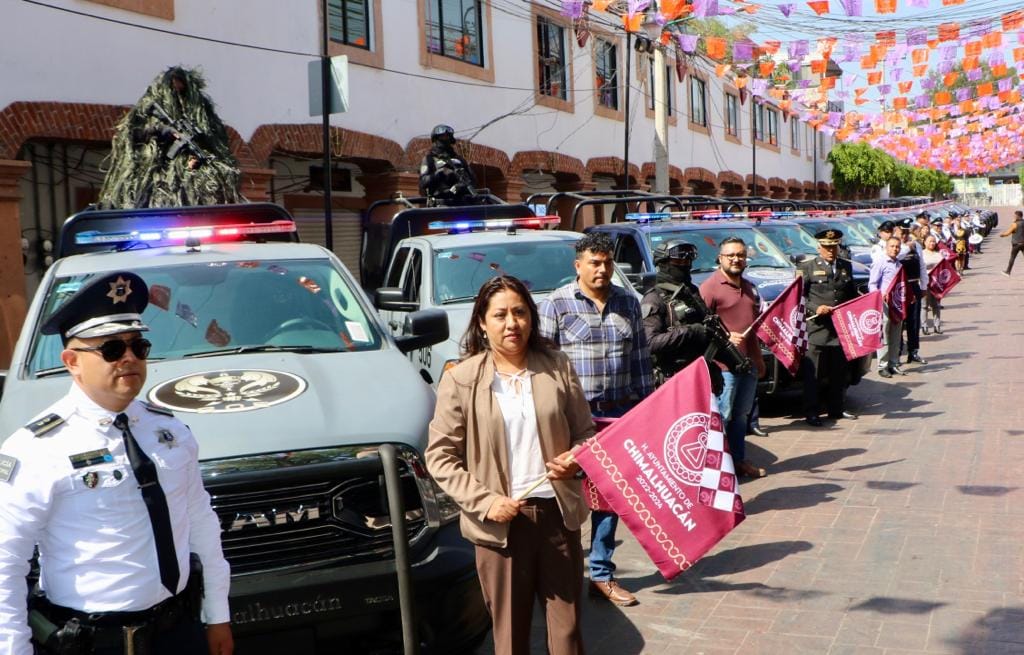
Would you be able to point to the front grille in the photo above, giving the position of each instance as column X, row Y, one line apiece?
column 269, row 525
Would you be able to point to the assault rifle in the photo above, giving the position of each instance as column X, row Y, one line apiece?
column 184, row 131
column 719, row 346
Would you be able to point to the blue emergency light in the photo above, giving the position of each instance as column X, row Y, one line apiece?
column 648, row 217
column 529, row 223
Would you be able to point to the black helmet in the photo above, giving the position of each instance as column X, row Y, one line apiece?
column 674, row 249
column 442, row 132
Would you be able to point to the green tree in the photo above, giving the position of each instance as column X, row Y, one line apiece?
column 857, row 168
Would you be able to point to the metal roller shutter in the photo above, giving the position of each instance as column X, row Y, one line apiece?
column 347, row 229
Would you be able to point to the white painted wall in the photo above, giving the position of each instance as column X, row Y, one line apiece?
column 51, row 55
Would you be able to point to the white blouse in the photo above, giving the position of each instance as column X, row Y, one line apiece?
column 514, row 393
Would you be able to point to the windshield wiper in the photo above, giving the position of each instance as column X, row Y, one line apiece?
column 49, row 372
column 450, row 301
column 305, row 350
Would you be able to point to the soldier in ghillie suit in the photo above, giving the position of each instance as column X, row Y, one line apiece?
column 171, row 149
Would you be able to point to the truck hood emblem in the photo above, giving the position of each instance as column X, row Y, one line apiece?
column 226, row 391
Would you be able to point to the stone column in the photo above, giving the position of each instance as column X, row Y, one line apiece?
column 13, row 303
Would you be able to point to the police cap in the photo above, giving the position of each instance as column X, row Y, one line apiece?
column 829, row 237
column 108, row 304
column 937, row 220
column 886, row 226
column 674, row 249
column 924, row 215
column 907, row 222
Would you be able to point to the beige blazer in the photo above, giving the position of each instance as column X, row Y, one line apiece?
column 468, row 450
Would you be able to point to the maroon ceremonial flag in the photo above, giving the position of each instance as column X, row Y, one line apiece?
column 942, row 278
column 783, row 327
column 896, row 296
column 665, row 469
column 859, row 325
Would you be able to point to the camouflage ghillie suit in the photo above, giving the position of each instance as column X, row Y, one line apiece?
column 171, row 149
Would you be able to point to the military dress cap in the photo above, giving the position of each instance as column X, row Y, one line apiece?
column 829, row 237
column 907, row 222
column 674, row 249
column 886, row 226
column 924, row 215
column 110, row 304
column 937, row 221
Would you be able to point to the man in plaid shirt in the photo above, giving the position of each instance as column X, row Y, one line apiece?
column 599, row 326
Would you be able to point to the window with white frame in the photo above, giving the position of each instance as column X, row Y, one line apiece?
column 606, row 69
column 669, row 71
column 773, row 126
column 794, row 133
column 454, row 29
column 732, row 114
column 551, row 60
column 698, row 101
column 349, row 22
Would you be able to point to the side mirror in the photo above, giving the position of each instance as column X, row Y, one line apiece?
column 625, row 267
column 422, row 329
column 393, row 299
column 3, row 378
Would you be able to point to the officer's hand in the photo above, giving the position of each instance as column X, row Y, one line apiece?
column 562, row 467
column 822, row 310
column 736, row 338
column 218, row 636
column 504, row 509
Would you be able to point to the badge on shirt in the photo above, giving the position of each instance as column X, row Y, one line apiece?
column 91, row 458
column 165, row 437
column 91, row 479
column 7, row 464
column 820, row 272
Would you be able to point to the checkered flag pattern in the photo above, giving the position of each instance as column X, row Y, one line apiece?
column 718, row 485
column 800, row 329
column 782, row 327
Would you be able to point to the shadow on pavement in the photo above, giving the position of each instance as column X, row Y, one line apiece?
column 993, row 491
column 885, row 485
column 812, row 462
column 874, row 465
column 999, row 631
column 884, row 605
column 800, row 497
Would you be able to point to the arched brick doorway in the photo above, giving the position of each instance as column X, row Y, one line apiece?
column 730, row 183
column 700, row 181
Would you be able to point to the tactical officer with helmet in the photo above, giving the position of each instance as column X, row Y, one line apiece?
column 445, row 178
column 673, row 314
column 827, row 282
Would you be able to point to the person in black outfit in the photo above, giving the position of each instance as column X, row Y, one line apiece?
column 445, row 178
column 827, row 282
column 1016, row 232
column 917, row 284
column 672, row 323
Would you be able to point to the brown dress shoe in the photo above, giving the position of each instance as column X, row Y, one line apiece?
column 748, row 470
column 612, row 592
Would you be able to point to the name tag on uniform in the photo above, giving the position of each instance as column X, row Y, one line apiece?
column 820, row 273
column 91, row 458
column 7, row 464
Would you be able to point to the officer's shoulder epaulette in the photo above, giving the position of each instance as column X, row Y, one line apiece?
column 45, row 424
column 156, row 409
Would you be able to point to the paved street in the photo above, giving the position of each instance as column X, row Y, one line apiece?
column 897, row 533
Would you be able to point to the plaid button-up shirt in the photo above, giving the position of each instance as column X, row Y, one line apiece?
column 607, row 348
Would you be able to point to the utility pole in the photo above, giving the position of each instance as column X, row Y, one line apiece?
column 660, row 122
column 325, row 95
column 628, row 82
column 814, row 146
column 753, row 143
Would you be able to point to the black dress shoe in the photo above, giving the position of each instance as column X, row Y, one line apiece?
column 897, row 370
column 847, row 415
column 813, row 421
column 884, row 373
column 914, row 357
column 759, row 432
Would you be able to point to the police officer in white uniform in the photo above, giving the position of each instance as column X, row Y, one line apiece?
column 108, row 488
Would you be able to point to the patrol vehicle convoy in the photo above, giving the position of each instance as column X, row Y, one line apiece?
column 275, row 358
column 445, row 265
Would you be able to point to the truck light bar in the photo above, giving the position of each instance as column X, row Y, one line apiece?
column 207, row 233
column 529, row 223
column 648, row 217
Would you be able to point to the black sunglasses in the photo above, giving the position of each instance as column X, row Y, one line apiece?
column 113, row 350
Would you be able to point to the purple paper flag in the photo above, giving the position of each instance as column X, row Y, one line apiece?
column 798, row 49
column 917, row 36
column 974, row 74
column 947, row 53
column 922, row 101
column 687, row 42
column 850, row 53
column 945, row 67
column 758, row 87
column 786, row 9
column 572, row 8
column 884, row 89
column 1005, row 84
column 918, row 4
column 927, row 83
column 742, row 51
column 853, row 7
column 963, row 94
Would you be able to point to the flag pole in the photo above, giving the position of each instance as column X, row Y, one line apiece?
column 533, row 487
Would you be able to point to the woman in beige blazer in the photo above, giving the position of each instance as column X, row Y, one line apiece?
column 507, row 416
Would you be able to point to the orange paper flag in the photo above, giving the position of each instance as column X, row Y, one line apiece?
column 867, row 62
column 949, row 3
column 920, row 55
column 949, row 31
column 771, row 47
column 600, row 5
column 972, row 48
column 722, row 69
column 1013, row 21
column 950, row 78
column 969, row 63
column 920, row 70
column 828, row 83
column 715, row 46
column 999, row 70
column 818, row 6
column 885, row 6
column 818, row 66
column 859, row 91
column 874, row 77
column 899, row 102
column 992, row 40
column 984, row 89
column 632, row 23
column 887, row 37
column 943, row 97
column 766, row 67
column 905, row 86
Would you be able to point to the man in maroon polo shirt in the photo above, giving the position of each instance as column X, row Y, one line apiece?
column 737, row 303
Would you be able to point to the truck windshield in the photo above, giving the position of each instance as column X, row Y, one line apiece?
column 303, row 305
column 760, row 251
column 542, row 266
column 790, row 239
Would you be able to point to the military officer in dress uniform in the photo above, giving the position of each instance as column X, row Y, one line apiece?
column 108, row 489
column 672, row 321
column 827, row 282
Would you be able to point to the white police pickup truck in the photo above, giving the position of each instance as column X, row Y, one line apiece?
column 276, row 359
column 445, row 268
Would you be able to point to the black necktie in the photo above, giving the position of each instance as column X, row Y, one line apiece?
column 156, row 504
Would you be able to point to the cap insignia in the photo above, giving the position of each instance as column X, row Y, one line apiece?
column 120, row 289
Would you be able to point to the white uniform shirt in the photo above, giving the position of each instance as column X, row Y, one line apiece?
column 96, row 544
column 525, row 458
